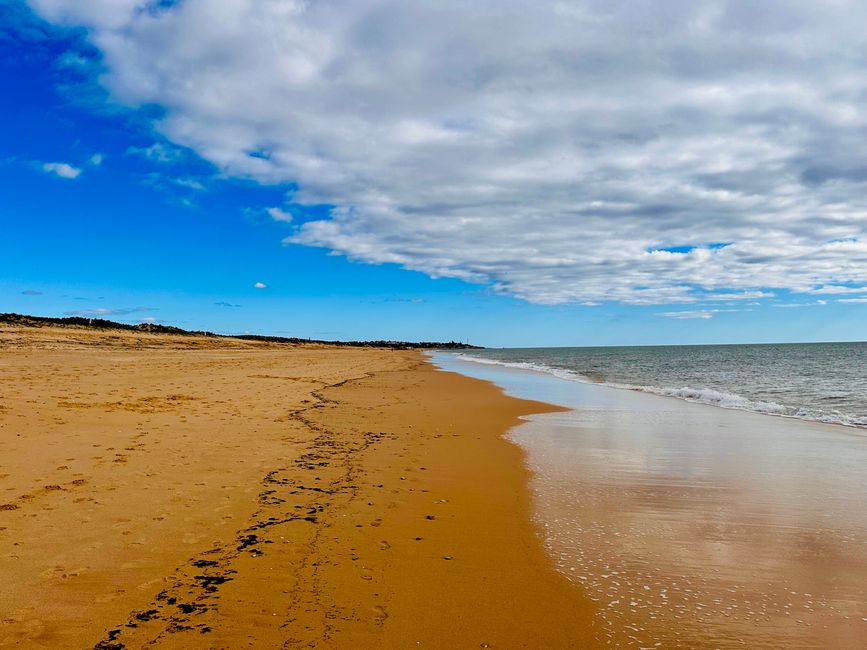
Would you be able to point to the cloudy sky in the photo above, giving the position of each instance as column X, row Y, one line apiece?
column 598, row 171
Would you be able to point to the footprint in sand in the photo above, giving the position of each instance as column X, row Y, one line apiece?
column 52, row 572
column 61, row 573
column 379, row 614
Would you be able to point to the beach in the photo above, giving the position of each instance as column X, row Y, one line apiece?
column 691, row 525
column 199, row 492
column 212, row 492
column 387, row 324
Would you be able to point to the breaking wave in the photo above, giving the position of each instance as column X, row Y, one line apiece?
column 707, row 396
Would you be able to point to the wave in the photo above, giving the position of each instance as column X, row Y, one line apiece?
column 707, row 396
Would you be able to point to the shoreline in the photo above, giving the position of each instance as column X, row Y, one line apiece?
column 694, row 526
column 658, row 391
column 228, row 495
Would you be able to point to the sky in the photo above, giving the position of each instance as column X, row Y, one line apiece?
column 617, row 172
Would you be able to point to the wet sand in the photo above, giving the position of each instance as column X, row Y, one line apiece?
column 698, row 527
column 209, row 493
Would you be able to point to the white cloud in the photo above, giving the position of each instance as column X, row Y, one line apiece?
column 89, row 312
column 260, row 285
column 96, row 159
column 157, row 152
column 189, row 183
column 98, row 13
column 743, row 295
column 852, row 300
column 687, row 315
column 279, row 215
column 704, row 314
column 837, row 289
column 169, row 183
column 63, row 170
column 101, row 311
column 547, row 149
column 794, row 305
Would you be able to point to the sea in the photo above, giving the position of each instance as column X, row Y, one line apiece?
column 702, row 496
column 824, row 382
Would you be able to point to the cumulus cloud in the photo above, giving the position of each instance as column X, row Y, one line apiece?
column 743, row 295
column 587, row 151
column 101, row 13
column 277, row 214
column 837, row 289
column 63, row 170
column 260, row 285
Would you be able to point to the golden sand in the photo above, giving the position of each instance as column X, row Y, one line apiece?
column 196, row 492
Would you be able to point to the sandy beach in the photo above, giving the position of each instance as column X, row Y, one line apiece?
column 196, row 492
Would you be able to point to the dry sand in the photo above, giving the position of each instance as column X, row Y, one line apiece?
column 214, row 493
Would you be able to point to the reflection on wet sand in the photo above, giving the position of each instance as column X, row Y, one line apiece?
column 699, row 527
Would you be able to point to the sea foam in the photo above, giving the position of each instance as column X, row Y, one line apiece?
column 707, row 396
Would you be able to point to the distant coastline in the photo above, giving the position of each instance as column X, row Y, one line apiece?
column 22, row 320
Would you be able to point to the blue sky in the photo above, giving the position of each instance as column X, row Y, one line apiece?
column 136, row 187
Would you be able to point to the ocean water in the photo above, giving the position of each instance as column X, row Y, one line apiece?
column 824, row 382
column 689, row 525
